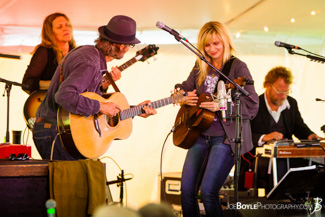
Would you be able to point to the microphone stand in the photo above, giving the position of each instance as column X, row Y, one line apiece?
column 237, row 140
column 7, row 90
column 120, row 180
column 10, row 56
column 311, row 57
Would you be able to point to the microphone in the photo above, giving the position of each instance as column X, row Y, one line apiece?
column 288, row 46
column 178, row 37
column 50, row 206
column 222, row 98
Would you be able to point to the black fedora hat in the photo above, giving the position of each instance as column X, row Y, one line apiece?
column 120, row 29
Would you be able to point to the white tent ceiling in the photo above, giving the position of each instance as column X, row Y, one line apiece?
column 21, row 18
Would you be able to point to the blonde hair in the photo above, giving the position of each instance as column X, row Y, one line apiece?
column 48, row 39
column 205, row 35
column 278, row 72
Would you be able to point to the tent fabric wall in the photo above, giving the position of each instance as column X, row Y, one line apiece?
column 140, row 153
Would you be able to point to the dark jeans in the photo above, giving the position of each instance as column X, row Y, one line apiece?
column 207, row 165
column 43, row 135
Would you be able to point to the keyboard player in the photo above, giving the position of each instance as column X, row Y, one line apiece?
column 278, row 118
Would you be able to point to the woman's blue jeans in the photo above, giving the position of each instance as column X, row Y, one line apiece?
column 207, row 165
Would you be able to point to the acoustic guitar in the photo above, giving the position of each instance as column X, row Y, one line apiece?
column 190, row 122
column 90, row 137
column 34, row 100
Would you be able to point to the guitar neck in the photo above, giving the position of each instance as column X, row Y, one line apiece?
column 127, row 64
column 137, row 110
column 123, row 66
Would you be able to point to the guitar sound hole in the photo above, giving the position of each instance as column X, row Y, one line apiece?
column 113, row 121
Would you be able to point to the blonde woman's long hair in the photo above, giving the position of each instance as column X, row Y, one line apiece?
column 205, row 35
column 48, row 39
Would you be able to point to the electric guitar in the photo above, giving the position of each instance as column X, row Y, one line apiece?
column 31, row 105
column 90, row 137
column 34, row 100
column 141, row 55
column 190, row 122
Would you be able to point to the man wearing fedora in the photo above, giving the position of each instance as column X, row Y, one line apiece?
column 81, row 71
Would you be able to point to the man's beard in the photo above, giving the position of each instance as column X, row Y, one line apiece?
column 278, row 102
column 116, row 53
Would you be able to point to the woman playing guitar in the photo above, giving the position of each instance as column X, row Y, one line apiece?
column 211, row 157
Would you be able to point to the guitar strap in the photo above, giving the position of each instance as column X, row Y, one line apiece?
column 226, row 70
column 109, row 76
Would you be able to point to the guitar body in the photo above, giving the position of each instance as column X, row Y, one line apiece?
column 80, row 136
column 190, row 122
column 31, row 105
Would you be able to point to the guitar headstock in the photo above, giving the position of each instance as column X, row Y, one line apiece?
column 178, row 97
column 147, row 52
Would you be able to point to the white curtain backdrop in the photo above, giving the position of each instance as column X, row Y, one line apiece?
column 140, row 153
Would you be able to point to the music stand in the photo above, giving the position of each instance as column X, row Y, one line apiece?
column 299, row 184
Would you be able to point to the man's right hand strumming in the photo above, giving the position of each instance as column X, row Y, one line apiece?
column 109, row 108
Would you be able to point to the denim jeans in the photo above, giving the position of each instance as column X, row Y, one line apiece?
column 43, row 135
column 207, row 165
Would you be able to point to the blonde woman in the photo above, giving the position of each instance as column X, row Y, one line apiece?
column 210, row 159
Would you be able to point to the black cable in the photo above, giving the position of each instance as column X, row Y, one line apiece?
column 162, row 187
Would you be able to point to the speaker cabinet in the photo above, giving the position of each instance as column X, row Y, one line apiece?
column 23, row 188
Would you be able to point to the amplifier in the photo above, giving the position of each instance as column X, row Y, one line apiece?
column 170, row 188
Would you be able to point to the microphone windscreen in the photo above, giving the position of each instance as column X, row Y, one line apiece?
column 221, row 85
column 277, row 43
column 50, row 204
column 160, row 25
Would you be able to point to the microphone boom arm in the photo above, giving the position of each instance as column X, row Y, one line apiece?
column 311, row 57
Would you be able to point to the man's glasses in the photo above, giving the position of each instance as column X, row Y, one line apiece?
column 126, row 45
column 130, row 45
column 281, row 92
